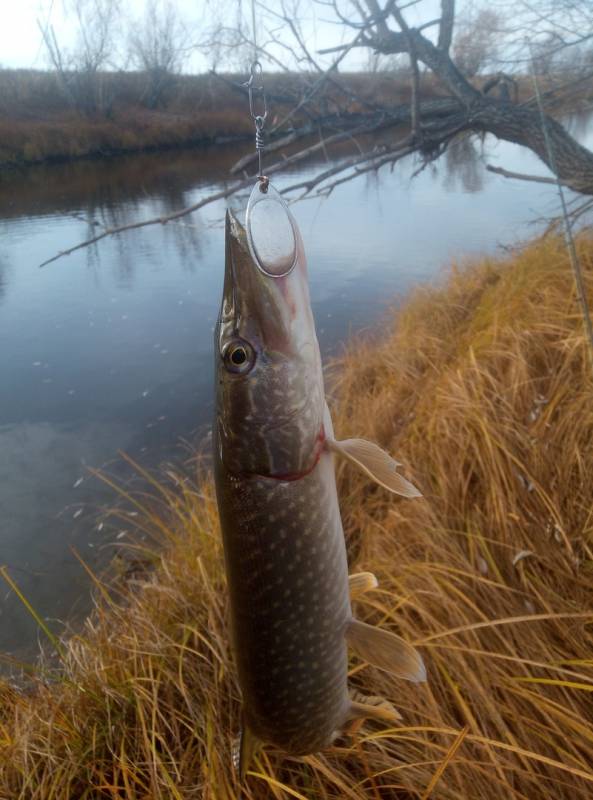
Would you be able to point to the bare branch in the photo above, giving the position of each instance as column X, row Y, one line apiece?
column 339, row 48
column 415, row 102
column 447, row 22
column 434, row 58
column 323, row 79
column 377, row 16
column 391, row 157
column 519, row 175
column 399, row 150
column 321, row 145
column 251, row 158
column 154, row 221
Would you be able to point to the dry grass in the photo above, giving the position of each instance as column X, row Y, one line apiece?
column 39, row 122
column 71, row 137
column 484, row 386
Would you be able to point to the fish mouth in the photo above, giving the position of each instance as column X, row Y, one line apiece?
column 265, row 294
column 249, row 300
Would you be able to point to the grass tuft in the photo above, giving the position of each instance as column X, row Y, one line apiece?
column 483, row 389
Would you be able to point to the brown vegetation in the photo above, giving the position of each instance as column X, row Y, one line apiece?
column 482, row 387
column 38, row 123
column 73, row 137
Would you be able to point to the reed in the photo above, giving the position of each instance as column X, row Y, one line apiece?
column 482, row 387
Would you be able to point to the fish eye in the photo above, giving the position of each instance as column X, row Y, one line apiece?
column 239, row 356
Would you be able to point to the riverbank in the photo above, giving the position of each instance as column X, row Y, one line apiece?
column 45, row 119
column 482, row 388
column 40, row 120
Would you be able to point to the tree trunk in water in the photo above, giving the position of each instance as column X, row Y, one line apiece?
column 505, row 120
column 521, row 125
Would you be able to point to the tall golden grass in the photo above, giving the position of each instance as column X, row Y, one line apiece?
column 483, row 388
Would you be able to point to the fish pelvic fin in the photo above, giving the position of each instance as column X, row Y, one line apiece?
column 363, row 707
column 386, row 650
column 361, row 582
column 245, row 750
column 375, row 463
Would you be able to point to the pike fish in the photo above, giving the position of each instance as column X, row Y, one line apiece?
column 285, row 553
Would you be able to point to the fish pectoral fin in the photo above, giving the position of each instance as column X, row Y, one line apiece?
column 361, row 582
column 363, row 707
column 386, row 650
column 245, row 750
column 376, row 463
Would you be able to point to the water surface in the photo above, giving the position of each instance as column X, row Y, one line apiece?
column 110, row 349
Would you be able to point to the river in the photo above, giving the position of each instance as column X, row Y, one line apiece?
column 110, row 349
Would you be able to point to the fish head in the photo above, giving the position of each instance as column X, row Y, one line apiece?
column 270, row 398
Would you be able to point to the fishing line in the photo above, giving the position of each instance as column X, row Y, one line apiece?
column 254, row 30
column 272, row 232
column 259, row 119
column 568, row 235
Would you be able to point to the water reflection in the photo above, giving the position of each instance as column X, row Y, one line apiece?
column 111, row 348
column 3, row 277
column 464, row 164
column 63, row 188
column 579, row 123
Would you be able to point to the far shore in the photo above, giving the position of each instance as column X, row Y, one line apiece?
column 44, row 121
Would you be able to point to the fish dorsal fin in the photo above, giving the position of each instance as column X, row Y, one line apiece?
column 376, row 463
column 361, row 582
column 386, row 650
column 363, row 707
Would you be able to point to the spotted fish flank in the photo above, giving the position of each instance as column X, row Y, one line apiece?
column 284, row 545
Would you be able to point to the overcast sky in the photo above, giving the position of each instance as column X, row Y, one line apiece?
column 21, row 43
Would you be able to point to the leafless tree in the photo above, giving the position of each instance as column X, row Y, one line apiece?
column 158, row 46
column 230, row 40
column 79, row 68
column 548, row 27
column 424, row 127
column 390, row 28
column 477, row 41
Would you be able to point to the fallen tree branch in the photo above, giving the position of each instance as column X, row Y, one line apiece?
column 401, row 148
column 391, row 157
column 224, row 193
column 521, row 176
column 318, row 85
column 153, row 221
column 314, row 148
column 251, row 158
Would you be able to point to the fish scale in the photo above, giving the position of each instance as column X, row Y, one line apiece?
column 284, row 565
